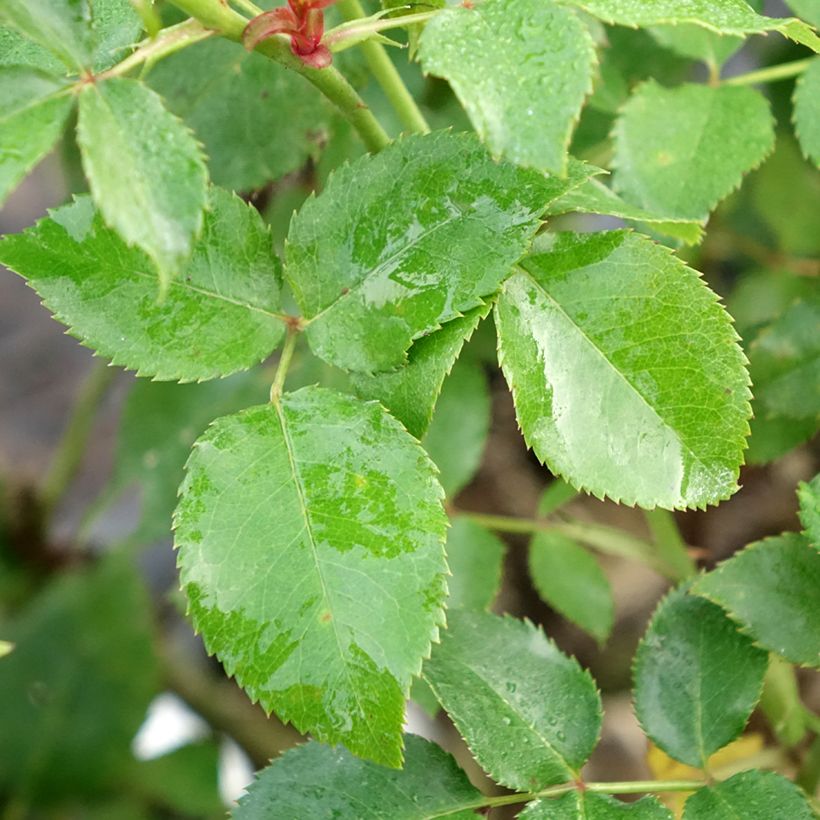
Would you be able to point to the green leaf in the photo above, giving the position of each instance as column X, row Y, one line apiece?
column 160, row 422
column 752, row 795
column 809, row 495
column 410, row 393
column 772, row 589
column 314, row 781
column 115, row 27
column 587, row 806
column 256, row 119
column 593, row 197
column 17, row 50
column 773, row 437
column 525, row 115
column 807, row 111
column 76, row 688
column 457, row 435
column 145, row 169
column 697, row 679
column 570, row 580
column 33, row 114
column 457, row 223
column 785, row 363
column 720, row 16
column 324, row 601
column 679, row 151
column 807, row 9
column 475, row 556
column 625, row 372
column 530, row 715
column 220, row 314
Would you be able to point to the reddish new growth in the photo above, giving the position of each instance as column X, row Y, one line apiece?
column 301, row 20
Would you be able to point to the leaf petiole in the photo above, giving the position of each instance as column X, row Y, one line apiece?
column 284, row 364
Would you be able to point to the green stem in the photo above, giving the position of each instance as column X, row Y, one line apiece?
column 230, row 24
column 168, row 41
column 387, row 74
column 770, row 74
column 72, row 446
column 812, row 721
column 605, row 539
column 672, row 549
column 284, row 365
column 780, row 702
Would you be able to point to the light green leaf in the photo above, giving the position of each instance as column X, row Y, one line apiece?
column 17, row 50
column 457, row 435
column 410, row 393
column 401, row 242
column 593, row 197
column 61, row 26
column 807, row 111
column 785, row 363
column 679, row 151
column 76, row 688
column 807, row 9
column 314, row 781
column 145, row 169
column 530, row 715
column 570, row 580
column 310, row 539
column 720, row 16
column 115, row 27
column 808, row 492
column 752, row 795
column 587, row 806
column 256, row 119
column 220, row 314
column 527, row 116
column 772, row 589
column 33, row 114
column 160, row 421
column 625, row 371
column 697, row 679
column 475, row 556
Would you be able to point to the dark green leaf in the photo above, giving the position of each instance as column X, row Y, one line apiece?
column 809, row 495
column 697, row 679
column 411, row 392
column 772, row 589
column 456, row 437
column 220, row 314
column 315, row 781
column 752, row 795
column 521, row 69
column 33, row 113
column 625, row 372
column 310, row 538
column 145, row 169
column 529, row 714
column 772, row 438
column 257, row 120
column 679, row 151
column 571, row 581
column 77, row 685
column 401, row 242
column 586, row 806
column 475, row 557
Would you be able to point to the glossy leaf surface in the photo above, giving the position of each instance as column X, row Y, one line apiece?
column 587, row 806
column 697, row 679
column 475, row 556
column 530, row 714
column 569, row 579
column 772, row 589
column 310, row 539
column 77, row 685
column 316, row 781
column 145, row 169
column 625, row 371
column 679, row 151
column 752, row 795
column 526, row 115
column 256, row 119
column 403, row 241
column 32, row 118
column 410, row 393
column 220, row 314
